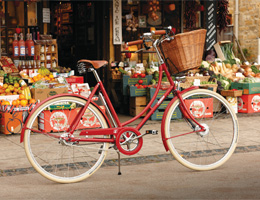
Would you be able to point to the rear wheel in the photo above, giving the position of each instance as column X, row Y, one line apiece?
column 55, row 157
column 207, row 149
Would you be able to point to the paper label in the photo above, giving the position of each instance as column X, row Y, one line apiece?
column 196, row 82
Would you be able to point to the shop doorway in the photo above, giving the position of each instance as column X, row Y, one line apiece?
column 80, row 28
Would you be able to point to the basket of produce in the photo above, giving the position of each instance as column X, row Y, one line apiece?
column 185, row 51
column 209, row 85
column 190, row 79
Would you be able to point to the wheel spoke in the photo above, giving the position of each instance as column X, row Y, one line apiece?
column 63, row 160
column 210, row 148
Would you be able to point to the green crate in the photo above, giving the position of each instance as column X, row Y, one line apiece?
column 137, row 92
column 247, row 88
column 151, row 93
column 59, row 107
column 127, row 81
column 158, row 115
column 163, row 105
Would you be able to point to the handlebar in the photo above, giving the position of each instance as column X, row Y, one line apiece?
column 134, row 42
column 159, row 32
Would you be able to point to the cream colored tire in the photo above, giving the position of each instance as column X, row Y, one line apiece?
column 203, row 150
column 60, row 161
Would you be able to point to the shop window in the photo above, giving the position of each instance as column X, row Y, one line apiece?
column 2, row 13
column 32, row 14
column 15, row 13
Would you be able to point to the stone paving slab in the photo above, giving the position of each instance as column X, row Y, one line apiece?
column 14, row 161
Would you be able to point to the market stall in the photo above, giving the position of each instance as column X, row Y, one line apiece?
column 37, row 76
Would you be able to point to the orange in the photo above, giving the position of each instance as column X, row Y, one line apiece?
column 21, row 96
column 23, row 102
column 14, row 103
column 18, row 102
column 32, row 101
column 35, row 78
column 6, row 103
column 39, row 76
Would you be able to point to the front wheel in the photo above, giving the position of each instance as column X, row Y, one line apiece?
column 207, row 149
column 50, row 153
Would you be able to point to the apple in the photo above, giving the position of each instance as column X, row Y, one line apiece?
column 11, row 88
column 16, row 85
column 5, row 86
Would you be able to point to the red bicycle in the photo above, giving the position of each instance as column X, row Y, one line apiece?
column 67, row 136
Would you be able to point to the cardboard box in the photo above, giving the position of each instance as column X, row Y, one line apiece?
column 233, row 102
column 247, row 88
column 9, row 98
column 11, row 123
column 249, row 103
column 42, row 94
column 200, row 107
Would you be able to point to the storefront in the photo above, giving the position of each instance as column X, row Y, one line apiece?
column 54, row 35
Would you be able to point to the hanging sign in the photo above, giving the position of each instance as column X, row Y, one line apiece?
column 46, row 15
column 117, row 22
column 211, row 14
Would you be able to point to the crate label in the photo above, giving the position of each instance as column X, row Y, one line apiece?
column 256, row 103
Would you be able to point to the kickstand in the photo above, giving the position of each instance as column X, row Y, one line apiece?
column 119, row 171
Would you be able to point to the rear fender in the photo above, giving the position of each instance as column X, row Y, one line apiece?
column 164, row 139
column 61, row 95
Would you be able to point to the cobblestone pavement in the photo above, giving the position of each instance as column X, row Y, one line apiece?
column 13, row 160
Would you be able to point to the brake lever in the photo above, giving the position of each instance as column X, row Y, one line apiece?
column 146, row 48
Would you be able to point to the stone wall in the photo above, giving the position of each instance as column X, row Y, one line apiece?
column 249, row 24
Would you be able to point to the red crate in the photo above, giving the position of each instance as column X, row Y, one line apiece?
column 75, row 79
column 11, row 122
column 200, row 107
column 249, row 103
column 59, row 120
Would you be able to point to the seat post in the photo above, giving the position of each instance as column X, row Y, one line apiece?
column 95, row 73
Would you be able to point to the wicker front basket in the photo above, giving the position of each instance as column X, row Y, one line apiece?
column 185, row 51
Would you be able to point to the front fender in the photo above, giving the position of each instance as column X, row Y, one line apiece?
column 164, row 139
column 55, row 96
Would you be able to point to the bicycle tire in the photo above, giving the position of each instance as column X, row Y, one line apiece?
column 56, row 159
column 204, row 150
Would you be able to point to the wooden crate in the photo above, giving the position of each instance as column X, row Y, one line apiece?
column 231, row 93
column 137, row 105
column 47, row 50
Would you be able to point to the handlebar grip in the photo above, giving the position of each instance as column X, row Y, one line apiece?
column 159, row 32
column 134, row 42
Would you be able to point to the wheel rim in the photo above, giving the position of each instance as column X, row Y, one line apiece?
column 60, row 161
column 203, row 150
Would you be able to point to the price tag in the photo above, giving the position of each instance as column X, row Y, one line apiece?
column 239, row 74
column 196, row 82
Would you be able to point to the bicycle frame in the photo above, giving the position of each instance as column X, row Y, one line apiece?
column 118, row 127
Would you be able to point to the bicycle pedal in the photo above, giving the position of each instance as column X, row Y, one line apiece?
column 153, row 132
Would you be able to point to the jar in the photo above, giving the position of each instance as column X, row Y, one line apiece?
column 42, row 49
column 42, row 57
